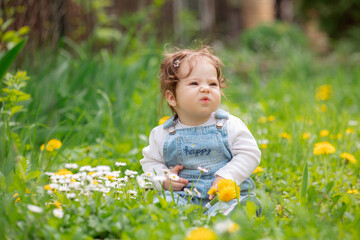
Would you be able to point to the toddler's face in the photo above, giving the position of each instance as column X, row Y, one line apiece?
column 198, row 94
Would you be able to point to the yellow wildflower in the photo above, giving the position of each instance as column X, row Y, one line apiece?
column 323, row 148
column 17, row 198
column 349, row 131
column 353, row 191
column 339, row 136
column 324, row 133
column 91, row 173
column 63, row 172
column 271, row 118
column 263, row 145
column 201, row 233
column 285, row 135
column 51, row 145
column 306, row 136
column 348, row 157
column 233, row 227
column 110, row 177
column 323, row 92
column 227, row 190
column 163, row 120
column 47, row 187
column 258, row 169
column 262, row 119
column 95, row 182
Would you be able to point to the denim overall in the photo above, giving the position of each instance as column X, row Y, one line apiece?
column 206, row 147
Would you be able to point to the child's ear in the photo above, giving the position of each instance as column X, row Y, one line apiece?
column 170, row 98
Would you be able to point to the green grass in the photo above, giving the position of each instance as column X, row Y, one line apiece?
column 102, row 106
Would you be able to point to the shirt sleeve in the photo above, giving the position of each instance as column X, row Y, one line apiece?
column 246, row 154
column 153, row 160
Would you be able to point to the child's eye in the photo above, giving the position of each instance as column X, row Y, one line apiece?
column 214, row 84
column 193, row 83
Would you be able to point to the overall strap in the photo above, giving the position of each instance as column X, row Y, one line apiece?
column 170, row 124
column 221, row 116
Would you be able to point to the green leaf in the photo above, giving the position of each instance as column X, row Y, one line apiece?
column 304, row 185
column 8, row 58
column 32, row 175
column 190, row 208
column 15, row 109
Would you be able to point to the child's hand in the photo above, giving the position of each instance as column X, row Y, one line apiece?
column 176, row 185
column 217, row 179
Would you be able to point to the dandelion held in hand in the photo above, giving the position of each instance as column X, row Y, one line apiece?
column 227, row 190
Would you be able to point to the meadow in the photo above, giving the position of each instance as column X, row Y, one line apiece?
column 72, row 135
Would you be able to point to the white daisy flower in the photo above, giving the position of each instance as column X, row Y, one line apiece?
column 165, row 171
column 140, row 181
column 174, row 177
column 130, row 172
column 59, row 213
column 119, row 164
column 35, row 209
column 158, row 178
column 71, row 195
column 202, row 169
column 197, row 192
column 86, row 168
column 71, row 166
column 103, row 168
column 188, row 191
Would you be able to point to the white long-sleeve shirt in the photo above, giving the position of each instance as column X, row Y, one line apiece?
column 243, row 147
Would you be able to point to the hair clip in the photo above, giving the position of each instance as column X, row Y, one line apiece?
column 176, row 63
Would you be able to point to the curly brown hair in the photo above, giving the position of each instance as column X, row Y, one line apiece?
column 169, row 69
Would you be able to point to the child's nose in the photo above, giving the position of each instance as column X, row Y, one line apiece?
column 204, row 89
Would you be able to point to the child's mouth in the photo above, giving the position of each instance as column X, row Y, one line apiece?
column 205, row 100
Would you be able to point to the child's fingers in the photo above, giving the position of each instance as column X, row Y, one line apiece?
column 211, row 196
column 176, row 169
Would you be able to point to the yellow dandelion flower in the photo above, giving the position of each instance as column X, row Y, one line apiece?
column 163, row 120
column 17, row 197
column 306, row 136
column 47, row 187
column 227, row 190
column 324, row 133
column 349, row 131
column 72, row 180
column 201, row 233
column 110, row 177
column 63, row 172
column 263, row 145
column 27, row 190
column 285, row 135
column 57, row 205
column 323, row 92
column 271, row 118
column 51, row 145
column 323, row 148
column 91, row 173
column 258, row 169
column 227, row 194
column 262, row 119
column 339, row 136
column 95, row 182
column 55, row 144
column 348, row 157
column 233, row 227
column 352, row 191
